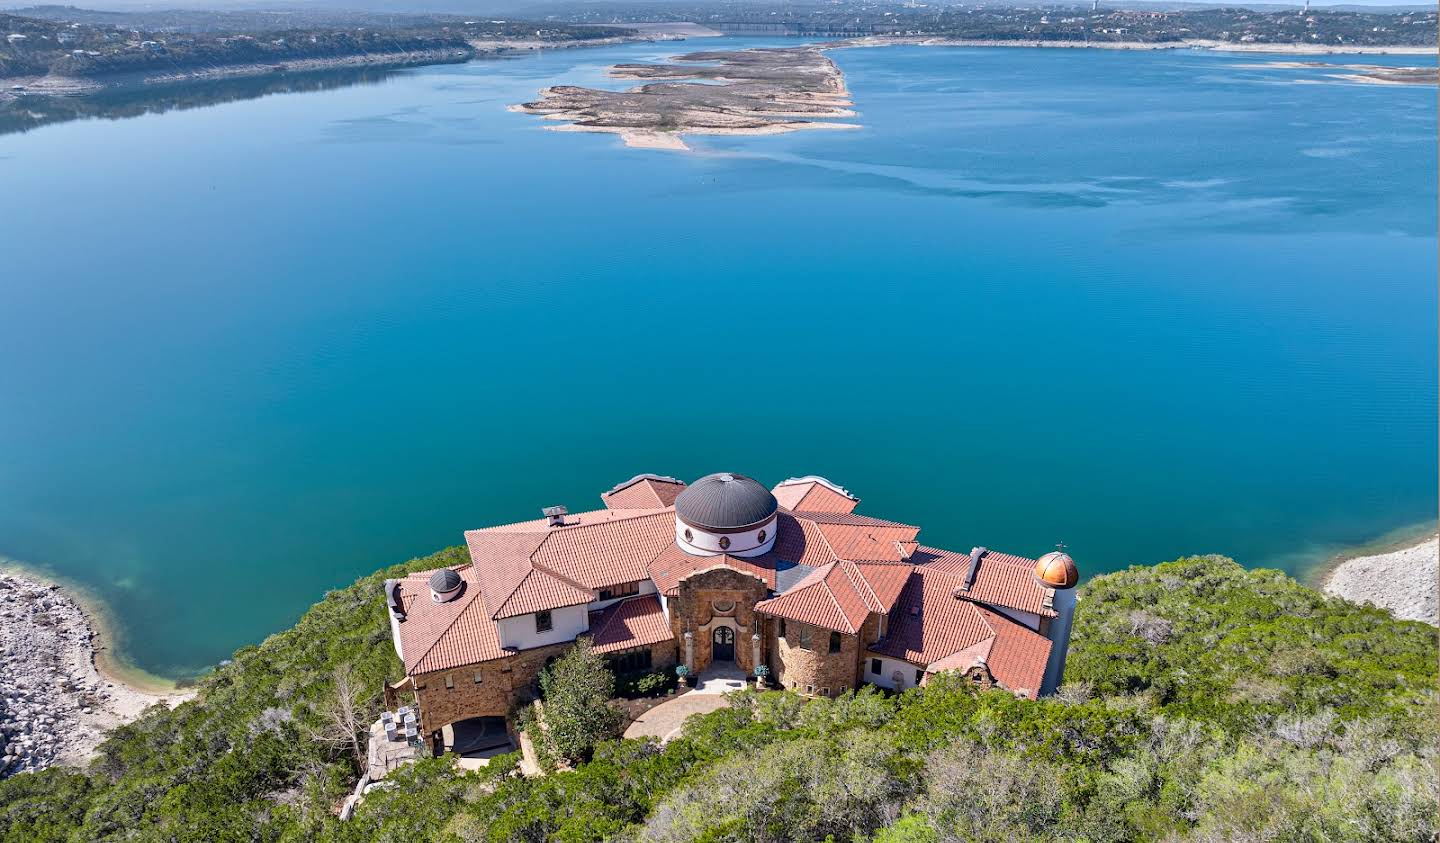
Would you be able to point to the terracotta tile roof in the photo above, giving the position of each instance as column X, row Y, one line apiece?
column 858, row 542
column 637, row 622
column 949, row 634
column 606, row 553
column 440, row 636
column 1019, row 656
column 928, row 623
column 886, row 582
column 540, row 591
column 832, row 597
column 644, row 491
column 812, row 496
column 673, row 565
column 531, row 566
column 1001, row 580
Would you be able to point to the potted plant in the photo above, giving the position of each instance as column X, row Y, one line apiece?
column 762, row 674
column 683, row 673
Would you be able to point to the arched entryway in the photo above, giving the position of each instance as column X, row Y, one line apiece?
column 722, row 644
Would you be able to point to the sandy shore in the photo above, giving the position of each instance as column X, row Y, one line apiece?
column 1403, row 580
column 59, row 695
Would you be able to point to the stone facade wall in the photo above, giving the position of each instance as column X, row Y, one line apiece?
column 815, row 670
column 698, row 608
column 505, row 685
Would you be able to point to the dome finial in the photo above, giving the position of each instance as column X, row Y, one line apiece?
column 1056, row 569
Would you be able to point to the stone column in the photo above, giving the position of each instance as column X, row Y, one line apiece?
column 690, row 651
column 754, row 651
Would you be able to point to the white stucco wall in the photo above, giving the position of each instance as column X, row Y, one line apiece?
column 1060, row 636
column 887, row 671
column 646, row 587
column 1029, row 619
column 704, row 543
column 568, row 622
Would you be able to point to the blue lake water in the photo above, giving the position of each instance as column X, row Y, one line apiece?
column 1149, row 304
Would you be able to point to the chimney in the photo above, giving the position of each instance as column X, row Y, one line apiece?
column 556, row 514
column 974, row 567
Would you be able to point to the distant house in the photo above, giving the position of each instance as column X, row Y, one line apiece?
column 727, row 575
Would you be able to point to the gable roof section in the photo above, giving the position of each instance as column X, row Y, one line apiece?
column 928, row 623
column 644, row 491
column 832, row 597
column 814, row 494
column 868, row 542
column 606, row 553
column 440, row 636
column 636, row 622
column 1019, row 656
column 1002, row 580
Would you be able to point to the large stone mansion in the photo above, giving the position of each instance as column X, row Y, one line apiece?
column 724, row 574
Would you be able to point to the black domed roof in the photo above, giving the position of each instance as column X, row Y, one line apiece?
column 725, row 502
column 444, row 580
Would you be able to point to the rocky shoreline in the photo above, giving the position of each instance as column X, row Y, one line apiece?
column 56, row 706
column 1404, row 581
column 759, row 91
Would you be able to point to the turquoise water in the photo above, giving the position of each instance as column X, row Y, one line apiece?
column 1146, row 303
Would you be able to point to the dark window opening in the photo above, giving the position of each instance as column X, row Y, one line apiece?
column 875, row 666
column 631, row 661
column 919, row 675
column 543, row 622
column 834, row 642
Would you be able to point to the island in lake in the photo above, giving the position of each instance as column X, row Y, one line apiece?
column 734, row 92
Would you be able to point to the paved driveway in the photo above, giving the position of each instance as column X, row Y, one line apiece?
column 664, row 720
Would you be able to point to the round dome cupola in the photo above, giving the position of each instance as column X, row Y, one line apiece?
column 445, row 585
column 1056, row 570
column 725, row 513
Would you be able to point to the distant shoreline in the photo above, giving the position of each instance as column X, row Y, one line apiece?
column 67, row 86
column 1214, row 46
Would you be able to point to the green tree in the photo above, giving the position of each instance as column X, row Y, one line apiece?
column 576, row 689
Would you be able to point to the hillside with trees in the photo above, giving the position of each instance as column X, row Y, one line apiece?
column 81, row 47
column 1204, row 702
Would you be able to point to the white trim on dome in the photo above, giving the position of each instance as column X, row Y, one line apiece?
column 752, row 540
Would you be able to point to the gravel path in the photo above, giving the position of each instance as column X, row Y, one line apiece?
column 1403, row 581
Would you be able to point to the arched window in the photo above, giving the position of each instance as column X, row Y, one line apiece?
column 724, row 542
column 689, row 536
column 761, row 538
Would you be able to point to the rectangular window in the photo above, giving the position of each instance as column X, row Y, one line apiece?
column 875, row 666
column 449, row 682
column 834, row 642
column 543, row 622
column 804, row 637
column 479, row 677
column 782, row 627
column 810, row 690
column 824, row 692
column 622, row 590
column 843, row 689
column 919, row 675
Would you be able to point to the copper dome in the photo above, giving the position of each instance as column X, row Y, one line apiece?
column 1056, row 570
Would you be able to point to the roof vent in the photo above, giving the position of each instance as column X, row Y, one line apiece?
column 556, row 515
column 445, row 585
column 974, row 567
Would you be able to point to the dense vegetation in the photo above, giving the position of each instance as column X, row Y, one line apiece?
column 1205, row 702
column 1031, row 22
column 54, row 45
